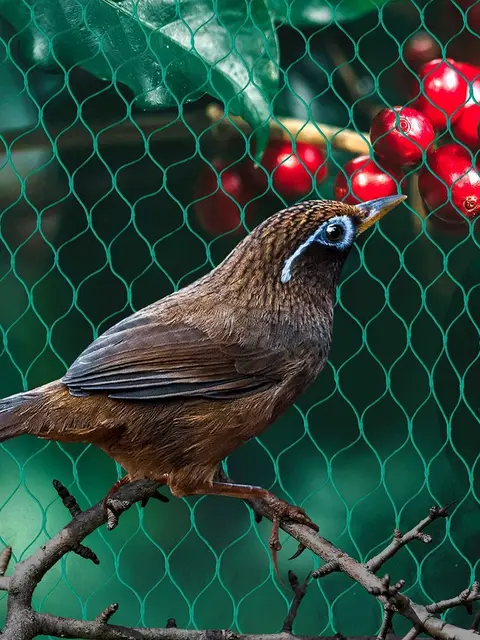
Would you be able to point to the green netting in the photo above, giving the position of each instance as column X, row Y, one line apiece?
column 99, row 217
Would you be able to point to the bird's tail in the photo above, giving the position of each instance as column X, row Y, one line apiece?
column 15, row 409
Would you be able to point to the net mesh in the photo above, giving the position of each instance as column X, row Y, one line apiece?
column 106, row 208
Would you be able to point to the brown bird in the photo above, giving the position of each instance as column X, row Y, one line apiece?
column 173, row 389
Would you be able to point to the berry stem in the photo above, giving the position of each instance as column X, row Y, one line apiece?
column 293, row 128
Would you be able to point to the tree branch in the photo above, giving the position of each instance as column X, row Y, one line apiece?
column 400, row 540
column 299, row 590
column 463, row 599
column 164, row 127
column 23, row 622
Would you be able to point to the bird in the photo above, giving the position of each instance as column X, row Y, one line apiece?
column 173, row 389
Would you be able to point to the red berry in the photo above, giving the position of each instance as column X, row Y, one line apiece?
column 442, row 92
column 419, row 49
column 465, row 127
column 362, row 180
column 450, row 184
column 400, row 135
column 294, row 171
column 228, row 190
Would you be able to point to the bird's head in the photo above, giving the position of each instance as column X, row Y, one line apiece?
column 322, row 233
column 303, row 246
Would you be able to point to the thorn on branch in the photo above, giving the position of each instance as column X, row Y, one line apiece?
column 5, row 557
column 171, row 623
column 66, row 497
column 107, row 613
column 327, row 568
column 387, row 621
column 299, row 591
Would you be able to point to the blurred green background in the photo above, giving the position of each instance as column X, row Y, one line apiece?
column 94, row 229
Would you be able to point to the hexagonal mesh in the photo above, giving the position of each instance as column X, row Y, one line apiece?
column 103, row 211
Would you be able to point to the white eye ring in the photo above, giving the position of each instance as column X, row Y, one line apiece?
column 343, row 224
column 346, row 223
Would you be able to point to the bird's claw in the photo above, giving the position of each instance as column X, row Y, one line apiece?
column 155, row 496
column 280, row 511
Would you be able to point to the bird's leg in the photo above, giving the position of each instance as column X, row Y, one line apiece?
column 279, row 509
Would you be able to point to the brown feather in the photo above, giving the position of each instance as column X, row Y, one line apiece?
column 219, row 360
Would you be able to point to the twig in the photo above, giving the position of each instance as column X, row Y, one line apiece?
column 465, row 598
column 327, row 568
column 299, row 130
column 107, row 613
column 412, row 634
column 400, row 540
column 5, row 557
column 299, row 591
column 476, row 622
column 23, row 622
column 386, row 622
column 66, row 497
column 73, row 507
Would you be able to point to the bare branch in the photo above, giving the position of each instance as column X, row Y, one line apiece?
column 23, row 622
column 465, row 598
column 166, row 127
column 73, row 507
column 107, row 613
column 66, row 497
column 386, row 622
column 5, row 557
column 299, row 590
column 400, row 540
column 476, row 622
column 412, row 634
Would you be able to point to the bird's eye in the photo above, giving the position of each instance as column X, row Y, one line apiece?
column 335, row 232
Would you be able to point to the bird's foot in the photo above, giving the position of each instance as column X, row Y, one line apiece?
column 107, row 501
column 156, row 496
column 114, row 507
column 281, row 510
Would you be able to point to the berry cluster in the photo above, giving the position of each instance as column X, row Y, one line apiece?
column 442, row 128
column 294, row 173
column 437, row 135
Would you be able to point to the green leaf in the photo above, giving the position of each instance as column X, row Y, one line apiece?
column 305, row 13
column 166, row 51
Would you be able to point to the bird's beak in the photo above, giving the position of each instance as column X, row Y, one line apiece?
column 373, row 210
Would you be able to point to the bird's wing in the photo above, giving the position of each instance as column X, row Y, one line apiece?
column 140, row 359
